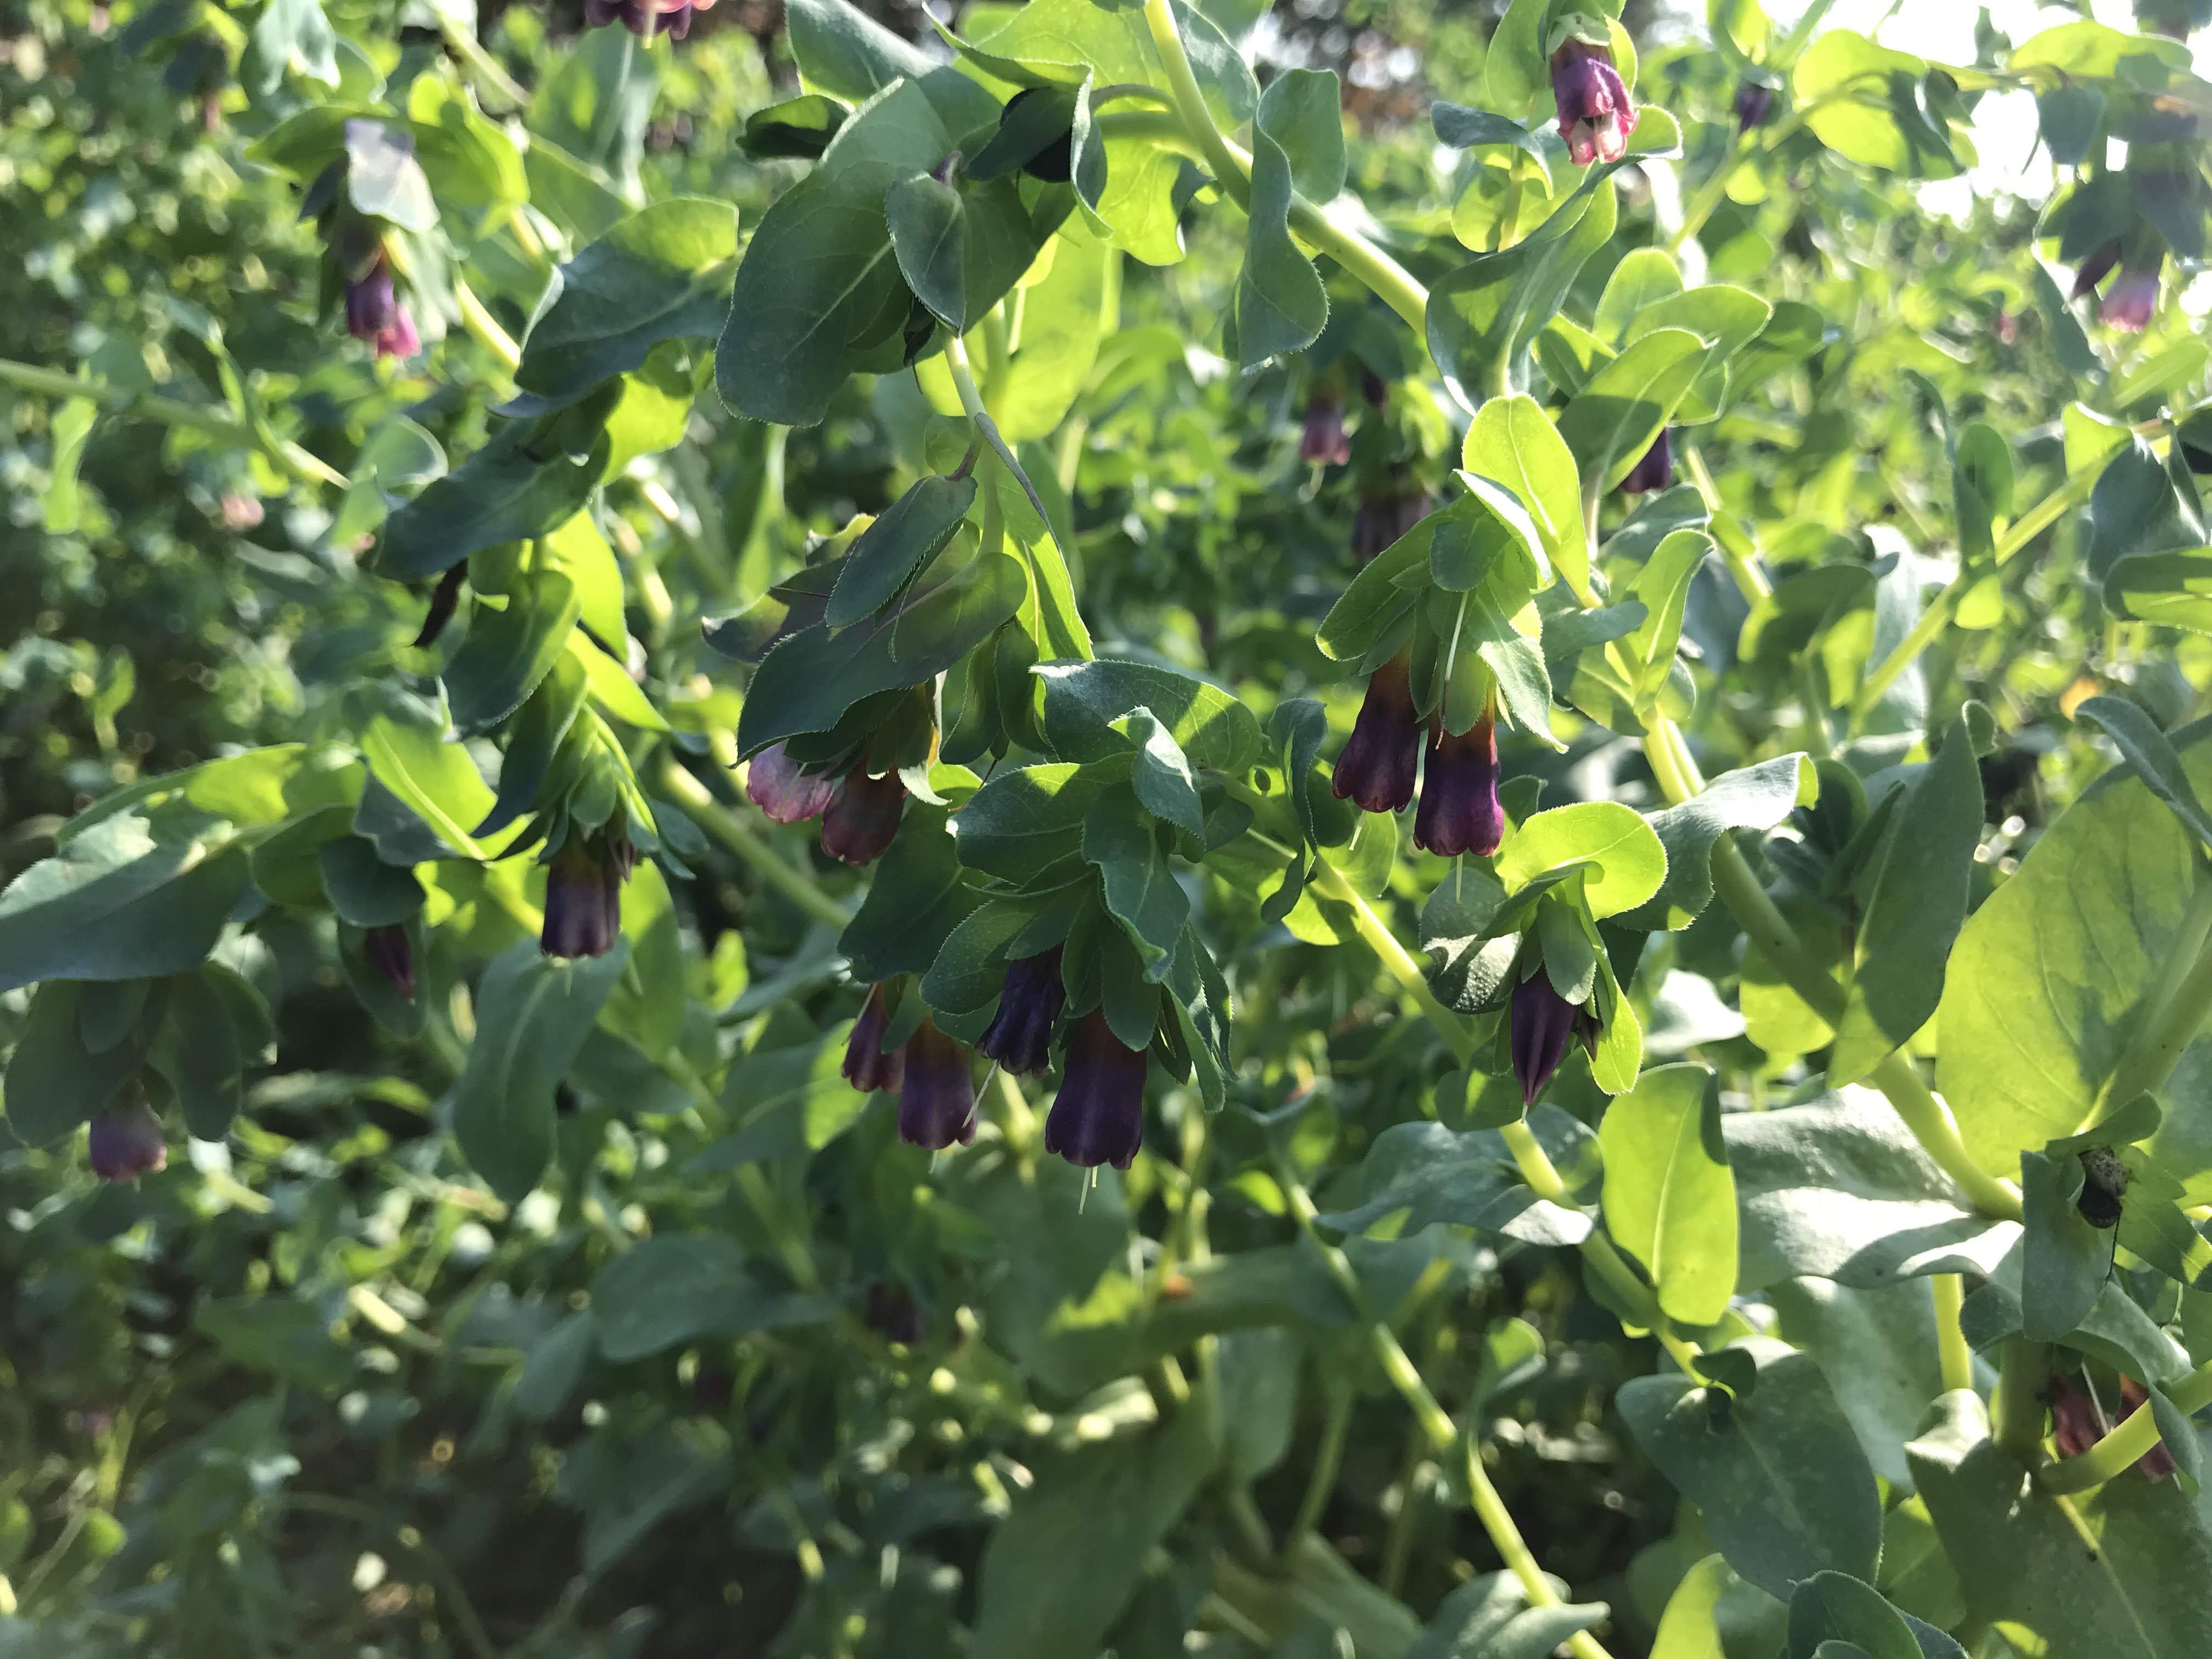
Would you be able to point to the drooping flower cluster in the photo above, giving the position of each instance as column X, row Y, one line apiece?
column 860, row 814
column 1098, row 1115
column 1460, row 810
column 1594, row 115
column 645, row 18
column 583, row 894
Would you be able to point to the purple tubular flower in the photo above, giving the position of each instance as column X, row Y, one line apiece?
column 1543, row 1023
column 1656, row 470
column 784, row 793
column 583, row 896
column 1099, row 1116
column 1323, row 442
column 936, row 1096
column 126, row 1138
column 2098, row 265
column 389, row 952
column 1375, row 770
column 1019, row 1035
column 1460, row 810
column 1754, row 104
column 2128, row 303
column 862, row 816
column 371, row 306
column 866, row 1066
column 1595, row 117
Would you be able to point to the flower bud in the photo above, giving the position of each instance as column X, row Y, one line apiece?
column 936, row 1096
column 2093, row 270
column 1595, row 117
column 583, row 896
column 1755, row 105
column 390, row 954
column 1099, row 1116
column 374, row 311
column 445, row 599
column 1323, row 442
column 126, row 1138
column 2128, row 303
column 862, row 816
column 1019, row 1035
column 1460, row 810
column 866, row 1066
column 784, row 793
column 645, row 18
column 1656, row 470
column 1375, row 770
column 1542, row 1024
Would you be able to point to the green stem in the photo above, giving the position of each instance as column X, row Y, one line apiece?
column 740, row 838
column 477, row 318
column 1949, row 1292
column 2136, row 1434
column 1390, row 281
column 1714, row 191
column 483, row 68
column 1329, row 1457
column 1435, row 1422
column 218, row 422
column 2022, row 1376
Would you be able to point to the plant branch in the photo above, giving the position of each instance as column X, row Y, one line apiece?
column 477, row 318
column 216, row 422
column 741, row 838
column 1948, row 1291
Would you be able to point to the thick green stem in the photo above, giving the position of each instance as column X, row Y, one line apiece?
column 1435, row 1422
column 477, row 318
column 218, row 422
column 1949, row 1292
column 740, row 838
column 2022, row 1378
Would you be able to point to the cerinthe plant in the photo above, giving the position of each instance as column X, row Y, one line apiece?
column 711, row 752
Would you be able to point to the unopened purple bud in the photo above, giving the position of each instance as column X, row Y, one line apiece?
column 1374, row 388
column 2128, row 303
column 863, row 816
column 1323, row 442
column 445, row 599
column 1460, row 809
column 1595, row 117
column 390, row 954
column 866, row 1066
column 1376, row 769
column 583, row 898
column 2093, row 270
column 1656, row 468
column 1019, row 1035
column 125, row 1139
column 783, row 793
column 1754, row 104
column 1543, row 1023
column 936, row 1096
column 1099, row 1116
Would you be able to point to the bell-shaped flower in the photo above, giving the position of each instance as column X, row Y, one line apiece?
column 783, row 793
column 1460, row 810
column 125, row 1139
column 1323, row 443
column 1019, row 1035
column 1099, row 1115
column 583, row 896
column 2130, row 302
column 1376, row 769
column 937, row 1095
column 866, row 1066
column 862, row 816
column 1594, row 115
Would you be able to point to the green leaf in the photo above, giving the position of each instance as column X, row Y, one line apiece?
column 1026, row 826
column 844, row 51
column 1483, row 319
column 1433, row 1175
column 2133, row 1593
column 1663, row 588
column 214, row 1028
column 647, row 1004
column 508, row 651
column 1688, row 1629
column 2064, row 1260
column 808, row 681
column 53, row 1085
column 283, row 1336
column 1833, row 1190
column 1487, row 534
column 1622, row 409
column 1914, row 912
column 1863, row 101
column 363, row 890
column 1380, row 597
column 662, row 274
column 2145, row 749
column 384, row 180
column 1645, row 277
column 1058, row 1570
column 1140, row 889
column 917, row 899
column 532, row 1016
column 404, row 740
column 71, row 427
column 678, row 1287
column 1490, row 1617
column 133, row 895
column 898, row 546
column 971, row 965
column 1669, row 1198
column 1065, row 314
column 1514, row 442
column 2173, row 588
column 1833, row 1607
column 1783, row 1487
column 1083, row 700
column 2052, row 976
column 1758, row 797
column 503, row 493
column 1161, row 774
column 1281, row 305
column 1303, row 111
column 1622, row 859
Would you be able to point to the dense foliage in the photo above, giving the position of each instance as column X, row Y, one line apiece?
column 1051, row 838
